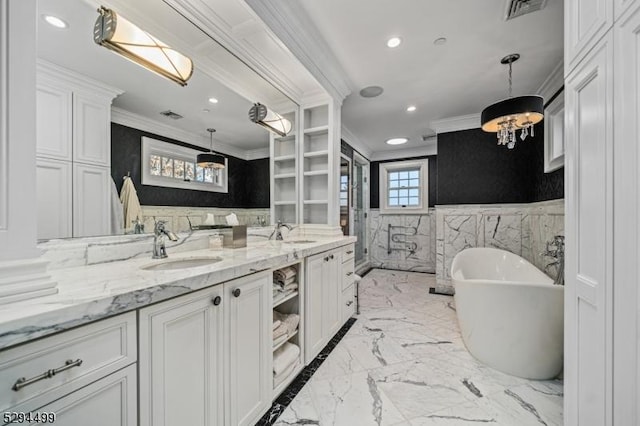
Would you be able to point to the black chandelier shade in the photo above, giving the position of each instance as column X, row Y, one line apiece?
column 211, row 160
column 525, row 110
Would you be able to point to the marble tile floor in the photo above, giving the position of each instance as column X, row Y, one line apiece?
column 403, row 362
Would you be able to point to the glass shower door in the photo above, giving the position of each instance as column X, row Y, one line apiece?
column 359, row 216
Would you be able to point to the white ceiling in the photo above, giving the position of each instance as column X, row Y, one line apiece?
column 146, row 93
column 459, row 78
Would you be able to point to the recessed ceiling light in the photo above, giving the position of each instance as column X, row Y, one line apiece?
column 213, row 100
column 440, row 41
column 54, row 21
column 205, row 109
column 394, row 42
column 371, row 91
column 397, row 141
column 411, row 108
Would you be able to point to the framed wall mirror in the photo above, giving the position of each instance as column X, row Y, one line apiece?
column 94, row 107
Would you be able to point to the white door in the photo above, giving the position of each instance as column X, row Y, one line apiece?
column 110, row 401
column 91, row 200
column 313, row 290
column 53, row 186
column 589, row 230
column 248, row 345
column 181, row 344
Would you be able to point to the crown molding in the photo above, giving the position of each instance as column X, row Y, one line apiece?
column 553, row 82
column 355, row 142
column 130, row 119
column 399, row 154
column 200, row 13
column 74, row 80
column 454, row 124
column 293, row 26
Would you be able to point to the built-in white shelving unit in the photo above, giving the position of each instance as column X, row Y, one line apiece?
column 284, row 154
column 292, row 304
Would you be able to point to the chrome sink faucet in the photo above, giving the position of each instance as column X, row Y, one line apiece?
column 556, row 253
column 159, row 232
column 277, row 232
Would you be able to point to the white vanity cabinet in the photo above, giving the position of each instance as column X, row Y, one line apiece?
column 95, row 375
column 73, row 122
column 323, row 294
column 204, row 357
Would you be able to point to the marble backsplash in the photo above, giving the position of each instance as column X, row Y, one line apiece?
column 412, row 241
column 522, row 229
column 179, row 219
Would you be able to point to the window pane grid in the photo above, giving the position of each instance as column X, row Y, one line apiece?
column 404, row 187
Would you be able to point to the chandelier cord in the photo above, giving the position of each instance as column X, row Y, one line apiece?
column 510, row 80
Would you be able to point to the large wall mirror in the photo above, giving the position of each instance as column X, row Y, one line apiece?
column 104, row 120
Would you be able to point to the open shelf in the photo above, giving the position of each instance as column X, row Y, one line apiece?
column 284, row 176
column 316, row 173
column 285, row 341
column 284, row 203
column 315, row 131
column 315, row 202
column 277, row 302
column 289, row 157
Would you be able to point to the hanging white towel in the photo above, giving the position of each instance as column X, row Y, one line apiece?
column 130, row 203
column 117, row 215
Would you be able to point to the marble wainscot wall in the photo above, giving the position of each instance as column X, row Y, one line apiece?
column 179, row 218
column 412, row 241
column 522, row 229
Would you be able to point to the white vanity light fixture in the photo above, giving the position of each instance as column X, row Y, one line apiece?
column 121, row 36
column 394, row 42
column 397, row 141
column 211, row 159
column 55, row 21
column 270, row 120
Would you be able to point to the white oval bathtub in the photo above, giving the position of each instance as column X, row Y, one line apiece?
column 510, row 313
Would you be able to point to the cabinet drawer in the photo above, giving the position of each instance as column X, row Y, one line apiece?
column 77, row 357
column 348, row 252
column 348, row 303
column 348, row 274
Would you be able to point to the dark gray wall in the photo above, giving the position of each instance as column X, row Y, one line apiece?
column 248, row 180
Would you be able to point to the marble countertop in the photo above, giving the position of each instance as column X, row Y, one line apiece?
column 95, row 292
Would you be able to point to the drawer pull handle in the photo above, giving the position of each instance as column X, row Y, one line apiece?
column 217, row 300
column 326, row 259
column 349, row 274
column 350, row 252
column 331, row 256
column 22, row 382
column 236, row 292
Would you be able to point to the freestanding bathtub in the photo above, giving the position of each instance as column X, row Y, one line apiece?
column 510, row 313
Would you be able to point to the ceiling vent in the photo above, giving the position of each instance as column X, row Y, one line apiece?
column 171, row 114
column 517, row 8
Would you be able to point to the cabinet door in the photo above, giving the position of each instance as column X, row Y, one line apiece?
column 248, row 339
column 332, row 295
column 180, row 361
column 589, row 259
column 53, row 121
column 91, row 130
column 53, row 187
column 313, row 336
column 91, row 201
column 110, row 401
column 586, row 21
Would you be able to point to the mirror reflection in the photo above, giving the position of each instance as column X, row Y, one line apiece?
column 120, row 146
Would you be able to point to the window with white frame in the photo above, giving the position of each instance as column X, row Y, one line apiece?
column 174, row 166
column 404, row 187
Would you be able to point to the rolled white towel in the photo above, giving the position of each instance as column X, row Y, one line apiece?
column 276, row 323
column 289, row 321
column 284, row 356
column 285, row 273
column 280, row 331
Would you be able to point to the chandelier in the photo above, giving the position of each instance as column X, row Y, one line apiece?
column 508, row 116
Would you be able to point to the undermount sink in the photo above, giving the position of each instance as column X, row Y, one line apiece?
column 299, row 241
column 170, row 265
